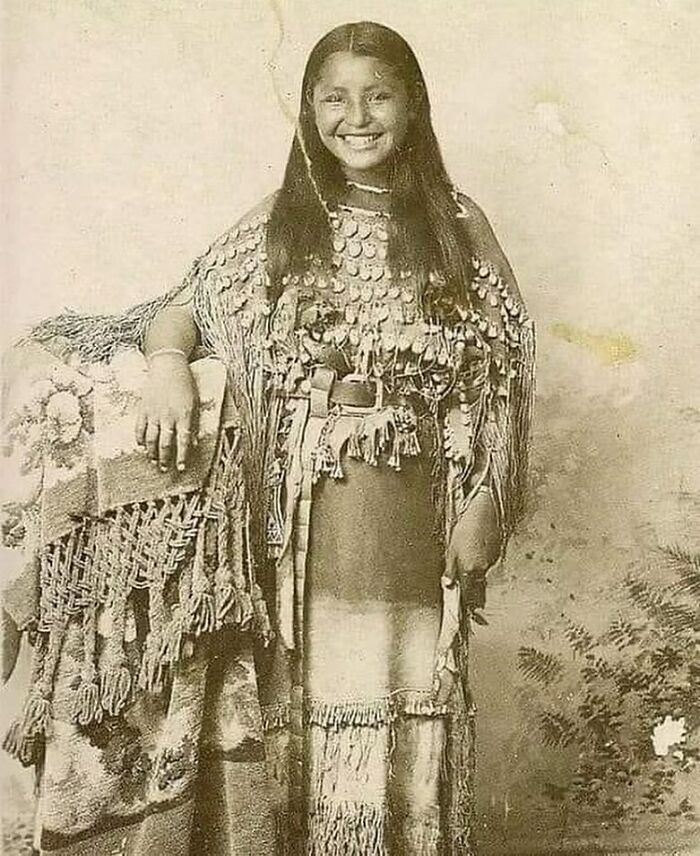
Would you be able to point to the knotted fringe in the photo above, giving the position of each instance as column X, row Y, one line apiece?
column 346, row 829
column 334, row 715
column 25, row 734
column 390, row 432
column 173, row 638
column 201, row 609
column 196, row 538
column 97, row 338
column 87, row 707
column 231, row 590
column 202, row 613
column 37, row 715
column 374, row 714
column 337, row 715
column 153, row 667
column 419, row 836
column 242, row 341
column 501, row 435
column 86, row 703
column 356, row 828
column 459, row 762
column 275, row 715
column 19, row 745
column 115, row 688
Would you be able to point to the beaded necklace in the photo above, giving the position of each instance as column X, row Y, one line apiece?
column 367, row 188
column 372, row 212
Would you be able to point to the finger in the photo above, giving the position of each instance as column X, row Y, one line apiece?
column 194, row 427
column 152, row 434
column 183, row 437
column 165, row 445
column 140, row 428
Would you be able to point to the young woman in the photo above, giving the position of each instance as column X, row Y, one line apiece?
column 369, row 470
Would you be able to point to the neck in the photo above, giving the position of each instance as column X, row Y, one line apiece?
column 378, row 177
column 361, row 195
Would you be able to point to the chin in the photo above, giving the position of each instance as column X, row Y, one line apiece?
column 362, row 161
column 363, row 164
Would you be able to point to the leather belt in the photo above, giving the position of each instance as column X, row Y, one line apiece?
column 361, row 393
column 355, row 391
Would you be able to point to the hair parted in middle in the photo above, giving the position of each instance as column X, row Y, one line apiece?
column 425, row 235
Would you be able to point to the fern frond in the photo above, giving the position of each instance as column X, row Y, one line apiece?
column 557, row 730
column 678, row 619
column 578, row 637
column 596, row 669
column 670, row 617
column 539, row 666
column 686, row 566
column 622, row 633
column 643, row 595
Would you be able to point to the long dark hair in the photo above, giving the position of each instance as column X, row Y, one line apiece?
column 424, row 233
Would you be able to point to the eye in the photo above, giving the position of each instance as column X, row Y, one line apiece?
column 333, row 98
column 380, row 97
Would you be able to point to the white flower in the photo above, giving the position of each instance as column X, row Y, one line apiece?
column 61, row 374
column 63, row 409
column 68, row 377
column 38, row 393
column 668, row 733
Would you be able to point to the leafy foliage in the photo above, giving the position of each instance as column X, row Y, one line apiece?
column 623, row 633
column 539, row 666
column 578, row 637
column 687, row 567
column 557, row 729
column 621, row 684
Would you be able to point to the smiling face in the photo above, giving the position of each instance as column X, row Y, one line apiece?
column 361, row 109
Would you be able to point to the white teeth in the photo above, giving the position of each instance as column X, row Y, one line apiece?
column 360, row 141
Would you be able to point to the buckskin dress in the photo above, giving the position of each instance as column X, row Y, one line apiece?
column 303, row 620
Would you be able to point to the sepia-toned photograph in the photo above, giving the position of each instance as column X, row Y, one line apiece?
column 350, row 428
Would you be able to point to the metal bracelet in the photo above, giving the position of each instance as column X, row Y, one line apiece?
column 162, row 351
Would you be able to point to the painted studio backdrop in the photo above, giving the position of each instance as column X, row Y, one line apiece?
column 135, row 131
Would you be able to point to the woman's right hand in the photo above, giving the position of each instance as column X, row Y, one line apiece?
column 167, row 423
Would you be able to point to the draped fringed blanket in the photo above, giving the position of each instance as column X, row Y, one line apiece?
column 261, row 656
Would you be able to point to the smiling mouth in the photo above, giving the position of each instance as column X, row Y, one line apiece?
column 358, row 142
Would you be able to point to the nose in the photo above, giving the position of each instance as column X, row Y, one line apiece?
column 357, row 114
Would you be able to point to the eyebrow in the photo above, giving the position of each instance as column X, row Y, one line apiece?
column 338, row 88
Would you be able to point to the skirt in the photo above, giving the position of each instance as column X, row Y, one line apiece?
column 372, row 755
column 375, row 737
